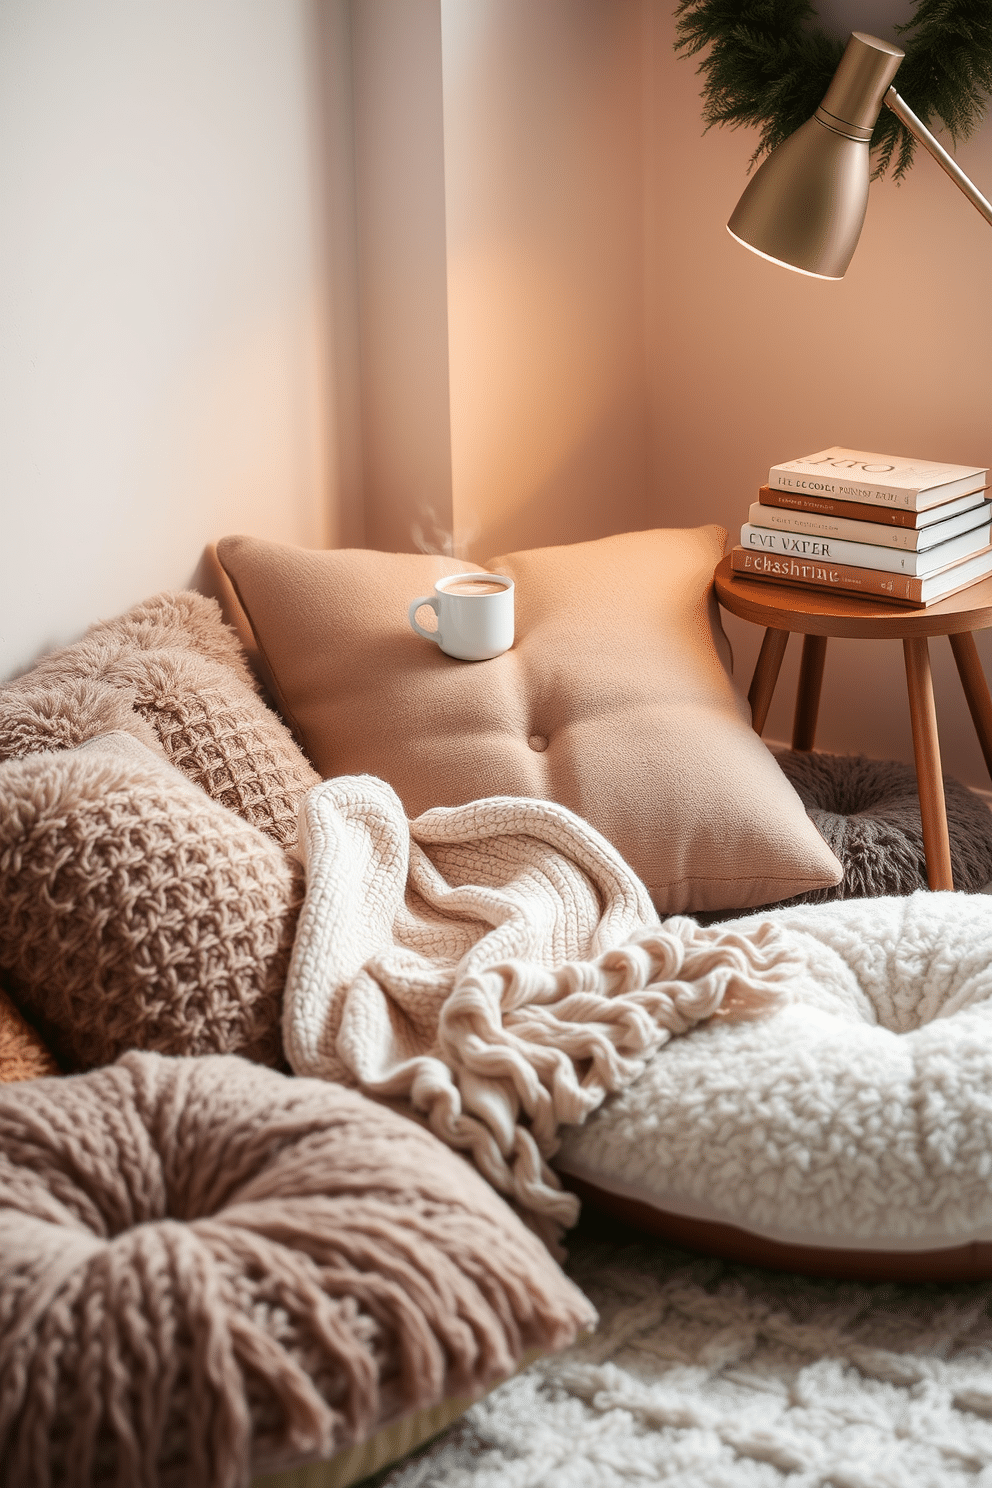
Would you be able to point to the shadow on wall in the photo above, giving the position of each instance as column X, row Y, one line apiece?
column 579, row 499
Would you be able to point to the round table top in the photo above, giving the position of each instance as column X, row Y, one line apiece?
column 831, row 612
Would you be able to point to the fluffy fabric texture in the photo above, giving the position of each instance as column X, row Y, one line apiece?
column 499, row 967
column 857, row 1113
column 208, row 1268
column 23, row 1053
column 622, row 711
column 174, row 674
column 137, row 912
column 868, row 811
column 706, row 1375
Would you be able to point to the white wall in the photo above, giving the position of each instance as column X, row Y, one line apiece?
column 543, row 131
column 500, row 230
column 164, row 346
column 403, row 305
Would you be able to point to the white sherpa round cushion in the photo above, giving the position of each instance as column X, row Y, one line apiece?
column 859, row 1115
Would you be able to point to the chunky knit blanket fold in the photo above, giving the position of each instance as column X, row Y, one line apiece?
column 498, row 969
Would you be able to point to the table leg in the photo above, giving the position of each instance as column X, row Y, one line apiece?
column 766, row 670
column 808, row 691
column 975, row 690
column 926, row 748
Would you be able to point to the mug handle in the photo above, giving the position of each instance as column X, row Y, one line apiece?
column 429, row 635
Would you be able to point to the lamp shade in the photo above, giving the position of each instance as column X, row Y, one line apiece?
column 805, row 205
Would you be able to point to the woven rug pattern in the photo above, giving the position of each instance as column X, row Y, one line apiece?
column 708, row 1375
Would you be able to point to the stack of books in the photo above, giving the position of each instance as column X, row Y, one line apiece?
column 909, row 531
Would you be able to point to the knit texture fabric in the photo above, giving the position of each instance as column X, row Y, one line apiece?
column 498, row 967
column 209, row 1270
column 137, row 912
column 174, row 674
column 868, row 811
column 23, row 1054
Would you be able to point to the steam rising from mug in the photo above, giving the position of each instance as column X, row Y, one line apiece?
column 474, row 615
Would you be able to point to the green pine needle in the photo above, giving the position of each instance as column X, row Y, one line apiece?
column 769, row 63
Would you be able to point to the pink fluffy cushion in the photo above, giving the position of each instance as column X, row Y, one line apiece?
column 211, row 1269
column 171, row 672
column 615, row 700
column 135, row 912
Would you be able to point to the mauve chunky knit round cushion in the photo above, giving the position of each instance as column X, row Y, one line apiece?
column 209, row 1269
column 137, row 913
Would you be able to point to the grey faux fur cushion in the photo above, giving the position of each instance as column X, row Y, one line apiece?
column 868, row 812
column 171, row 672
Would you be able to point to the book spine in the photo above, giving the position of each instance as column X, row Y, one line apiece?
column 827, row 506
column 816, row 525
column 824, row 575
column 832, row 550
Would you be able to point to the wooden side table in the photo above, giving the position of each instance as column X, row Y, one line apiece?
column 818, row 614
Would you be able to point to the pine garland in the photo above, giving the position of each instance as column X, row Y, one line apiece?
column 770, row 63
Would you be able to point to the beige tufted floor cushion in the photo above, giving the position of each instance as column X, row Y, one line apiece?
column 614, row 700
column 208, row 1268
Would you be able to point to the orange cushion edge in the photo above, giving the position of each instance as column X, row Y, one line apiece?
column 212, row 578
column 969, row 1262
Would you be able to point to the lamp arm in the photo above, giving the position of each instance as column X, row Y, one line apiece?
column 919, row 130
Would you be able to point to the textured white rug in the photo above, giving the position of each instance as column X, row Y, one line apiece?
column 705, row 1375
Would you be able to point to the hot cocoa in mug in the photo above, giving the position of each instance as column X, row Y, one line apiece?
column 474, row 586
column 474, row 615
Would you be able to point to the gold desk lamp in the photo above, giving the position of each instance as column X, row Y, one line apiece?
column 805, row 205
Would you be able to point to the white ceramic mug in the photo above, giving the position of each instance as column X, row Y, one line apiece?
column 474, row 615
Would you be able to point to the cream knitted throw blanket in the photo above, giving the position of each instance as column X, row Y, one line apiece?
column 498, row 969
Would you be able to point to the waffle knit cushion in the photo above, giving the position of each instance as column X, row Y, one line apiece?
column 138, row 913
column 174, row 674
column 614, row 701
column 211, row 1269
